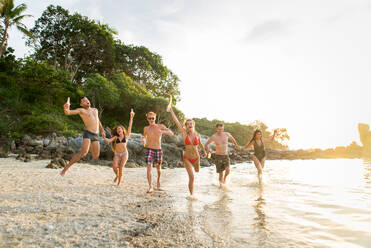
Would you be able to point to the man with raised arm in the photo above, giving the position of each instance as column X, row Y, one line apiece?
column 152, row 135
column 222, row 162
column 90, row 138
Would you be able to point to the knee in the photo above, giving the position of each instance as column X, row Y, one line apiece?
column 83, row 153
column 191, row 178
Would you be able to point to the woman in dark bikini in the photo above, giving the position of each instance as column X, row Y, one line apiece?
column 192, row 140
column 119, row 140
column 259, row 150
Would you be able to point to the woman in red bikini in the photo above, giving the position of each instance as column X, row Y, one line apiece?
column 120, row 139
column 192, row 140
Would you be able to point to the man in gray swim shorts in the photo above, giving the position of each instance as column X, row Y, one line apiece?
column 92, row 126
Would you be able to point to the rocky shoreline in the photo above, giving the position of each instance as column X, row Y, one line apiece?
column 60, row 149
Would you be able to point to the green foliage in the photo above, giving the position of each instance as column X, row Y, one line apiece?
column 74, row 43
column 100, row 91
column 11, row 16
column 146, row 68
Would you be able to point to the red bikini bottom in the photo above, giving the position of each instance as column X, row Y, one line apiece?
column 192, row 160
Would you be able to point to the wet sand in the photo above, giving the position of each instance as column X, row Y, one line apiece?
column 39, row 208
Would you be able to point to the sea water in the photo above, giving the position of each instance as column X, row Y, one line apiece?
column 300, row 203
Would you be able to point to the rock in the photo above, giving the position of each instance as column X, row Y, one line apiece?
column 27, row 139
column 61, row 162
column 12, row 145
column 131, row 165
column 56, row 163
column 3, row 154
column 69, row 150
column 46, row 142
column 169, row 139
column 365, row 137
column 29, row 149
column 44, row 154
column 204, row 162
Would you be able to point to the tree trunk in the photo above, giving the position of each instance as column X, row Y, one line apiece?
column 4, row 42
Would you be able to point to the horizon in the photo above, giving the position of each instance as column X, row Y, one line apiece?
column 262, row 51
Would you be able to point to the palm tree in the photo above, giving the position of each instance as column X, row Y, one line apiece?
column 10, row 16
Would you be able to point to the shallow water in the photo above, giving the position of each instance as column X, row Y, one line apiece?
column 303, row 203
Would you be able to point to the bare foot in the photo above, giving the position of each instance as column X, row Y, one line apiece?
column 150, row 190
column 63, row 172
column 158, row 184
column 115, row 180
column 191, row 198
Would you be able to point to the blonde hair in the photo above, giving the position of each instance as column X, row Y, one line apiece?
column 114, row 133
column 185, row 121
column 151, row 113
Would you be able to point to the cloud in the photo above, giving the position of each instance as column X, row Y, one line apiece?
column 268, row 30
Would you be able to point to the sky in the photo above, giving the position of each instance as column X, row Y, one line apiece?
column 304, row 65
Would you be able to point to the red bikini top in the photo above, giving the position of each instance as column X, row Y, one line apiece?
column 188, row 142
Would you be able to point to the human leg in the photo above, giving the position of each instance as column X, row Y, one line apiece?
column 82, row 153
column 123, row 161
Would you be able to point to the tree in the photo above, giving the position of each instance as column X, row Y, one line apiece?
column 11, row 16
column 146, row 68
column 101, row 92
column 74, row 43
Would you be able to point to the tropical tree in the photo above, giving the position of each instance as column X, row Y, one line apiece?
column 74, row 43
column 147, row 69
column 11, row 16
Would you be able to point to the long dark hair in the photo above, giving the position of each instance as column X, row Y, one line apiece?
column 114, row 133
column 254, row 135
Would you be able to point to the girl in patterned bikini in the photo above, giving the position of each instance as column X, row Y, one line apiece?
column 119, row 141
column 191, row 156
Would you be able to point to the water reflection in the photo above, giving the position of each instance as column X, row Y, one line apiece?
column 259, row 225
column 218, row 220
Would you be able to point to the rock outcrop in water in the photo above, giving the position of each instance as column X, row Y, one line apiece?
column 365, row 137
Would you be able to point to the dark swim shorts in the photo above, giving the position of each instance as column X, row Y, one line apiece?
column 222, row 162
column 90, row 135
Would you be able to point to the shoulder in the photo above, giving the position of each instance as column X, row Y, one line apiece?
column 161, row 125
column 81, row 110
column 227, row 134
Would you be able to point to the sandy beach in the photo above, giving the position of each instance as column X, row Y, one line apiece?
column 39, row 208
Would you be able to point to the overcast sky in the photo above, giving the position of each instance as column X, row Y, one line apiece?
column 302, row 65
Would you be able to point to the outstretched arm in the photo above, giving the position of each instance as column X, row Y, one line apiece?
column 233, row 141
column 247, row 145
column 181, row 129
column 101, row 129
column 207, row 144
column 130, row 124
column 109, row 140
column 271, row 139
column 67, row 111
